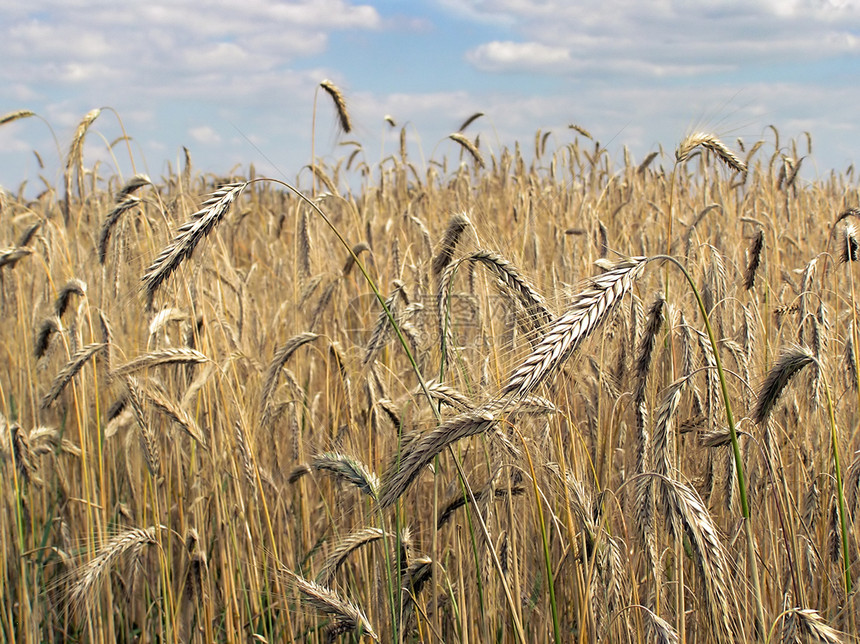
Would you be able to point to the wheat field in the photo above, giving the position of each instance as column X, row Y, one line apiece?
column 505, row 396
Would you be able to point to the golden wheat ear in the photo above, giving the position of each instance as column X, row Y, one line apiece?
column 588, row 310
column 712, row 143
column 470, row 147
column 189, row 235
column 339, row 103
column 346, row 616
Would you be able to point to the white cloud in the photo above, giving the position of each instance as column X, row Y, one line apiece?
column 633, row 72
column 205, row 135
column 661, row 37
column 64, row 42
column 518, row 56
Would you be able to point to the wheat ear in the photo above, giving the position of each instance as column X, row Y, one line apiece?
column 10, row 256
column 712, row 143
column 76, row 158
column 339, row 103
column 566, row 333
column 72, row 287
column 111, row 220
column 278, row 361
column 807, row 625
column 347, row 546
column 343, row 467
column 69, row 371
column 175, row 413
column 470, row 147
column 688, row 516
column 457, row 225
column 754, row 260
column 160, row 357
column 148, row 439
column 790, row 362
column 15, row 116
column 189, row 235
column 347, row 616
column 93, row 572
column 474, row 117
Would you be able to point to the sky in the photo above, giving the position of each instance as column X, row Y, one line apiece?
column 236, row 83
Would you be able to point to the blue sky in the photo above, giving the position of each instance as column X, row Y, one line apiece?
column 235, row 82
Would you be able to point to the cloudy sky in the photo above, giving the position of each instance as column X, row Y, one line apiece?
column 235, row 82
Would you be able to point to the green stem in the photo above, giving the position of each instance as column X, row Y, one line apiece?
column 736, row 451
column 556, row 627
column 839, row 491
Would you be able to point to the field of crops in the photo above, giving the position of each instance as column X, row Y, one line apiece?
column 519, row 395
